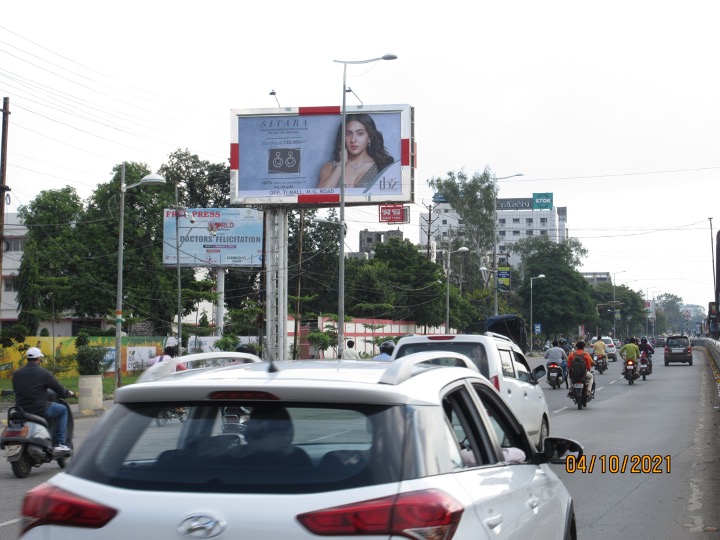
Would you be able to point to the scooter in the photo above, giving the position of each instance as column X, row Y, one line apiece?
column 600, row 363
column 631, row 373
column 579, row 396
column 555, row 376
column 164, row 416
column 27, row 439
column 644, row 367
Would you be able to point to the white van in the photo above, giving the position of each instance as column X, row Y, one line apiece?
column 503, row 363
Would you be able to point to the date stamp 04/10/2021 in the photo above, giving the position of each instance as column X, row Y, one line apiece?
column 618, row 464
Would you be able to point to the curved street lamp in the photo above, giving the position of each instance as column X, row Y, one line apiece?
column 341, row 230
column 532, row 329
column 149, row 180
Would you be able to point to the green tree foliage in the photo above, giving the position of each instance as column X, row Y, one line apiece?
column 562, row 300
column 670, row 305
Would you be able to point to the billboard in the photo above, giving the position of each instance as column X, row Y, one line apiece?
column 213, row 237
column 292, row 156
column 503, row 279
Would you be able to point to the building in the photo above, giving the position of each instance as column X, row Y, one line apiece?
column 516, row 219
column 595, row 278
column 369, row 239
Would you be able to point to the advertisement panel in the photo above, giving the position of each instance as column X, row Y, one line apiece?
column 293, row 156
column 503, row 281
column 542, row 201
column 220, row 237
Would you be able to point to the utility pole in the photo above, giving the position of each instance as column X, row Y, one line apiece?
column 3, row 183
column 429, row 222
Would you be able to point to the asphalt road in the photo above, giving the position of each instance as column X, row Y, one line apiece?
column 667, row 427
column 652, row 449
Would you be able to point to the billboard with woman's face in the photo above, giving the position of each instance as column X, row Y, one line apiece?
column 296, row 156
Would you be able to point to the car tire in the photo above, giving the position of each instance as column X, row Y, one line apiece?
column 690, row 363
column 667, row 363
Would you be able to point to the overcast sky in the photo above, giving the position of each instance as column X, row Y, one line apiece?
column 612, row 106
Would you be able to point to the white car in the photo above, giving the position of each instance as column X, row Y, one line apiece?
column 610, row 348
column 503, row 363
column 422, row 447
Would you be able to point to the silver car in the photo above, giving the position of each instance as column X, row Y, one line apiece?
column 422, row 447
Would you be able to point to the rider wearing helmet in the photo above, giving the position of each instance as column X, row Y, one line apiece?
column 648, row 349
column 386, row 350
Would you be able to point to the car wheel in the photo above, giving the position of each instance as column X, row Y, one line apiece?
column 690, row 363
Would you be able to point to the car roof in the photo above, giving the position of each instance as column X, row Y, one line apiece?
column 404, row 381
column 467, row 338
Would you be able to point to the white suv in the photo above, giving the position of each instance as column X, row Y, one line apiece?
column 419, row 448
column 610, row 347
column 503, row 363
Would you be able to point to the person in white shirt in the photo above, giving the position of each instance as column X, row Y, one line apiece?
column 350, row 353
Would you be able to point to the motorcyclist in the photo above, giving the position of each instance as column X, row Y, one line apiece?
column 648, row 349
column 557, row 354
column 566, row 346
column 629, row 351
column 386, row 350
column 30, row 384
column 580, row 352
column 599, row 348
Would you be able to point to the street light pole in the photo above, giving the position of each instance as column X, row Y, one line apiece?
column 341, row 261
column 447, row 297
column 149, row 180
column 614, row 306
column 532, row 329
column 495, row 235
column 184, row 211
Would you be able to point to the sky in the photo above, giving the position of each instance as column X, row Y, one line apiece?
column 611, row 106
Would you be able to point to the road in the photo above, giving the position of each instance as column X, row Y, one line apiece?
column 667, row 426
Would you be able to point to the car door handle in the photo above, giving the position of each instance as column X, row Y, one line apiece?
column 493, row 521
column 533, row 502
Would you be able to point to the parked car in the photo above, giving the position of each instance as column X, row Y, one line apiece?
column 329, row 449
column 610, row 347
column 500, row 360
column 678, row 349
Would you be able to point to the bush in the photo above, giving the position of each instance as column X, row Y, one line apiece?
column 91, row 360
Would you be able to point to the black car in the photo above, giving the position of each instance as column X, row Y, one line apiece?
column 678, row 349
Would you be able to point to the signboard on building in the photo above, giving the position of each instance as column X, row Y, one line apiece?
column 542, row 201
column 213, row 237
column 712, row 311
column 292, row 156
column 393, row 213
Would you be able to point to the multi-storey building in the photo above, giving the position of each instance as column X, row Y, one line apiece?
column 516, row 219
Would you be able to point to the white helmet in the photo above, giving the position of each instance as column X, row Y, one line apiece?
column 33, row 353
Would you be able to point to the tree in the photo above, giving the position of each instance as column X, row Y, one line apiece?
column 671, row 305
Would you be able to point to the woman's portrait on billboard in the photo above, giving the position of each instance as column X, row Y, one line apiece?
column 367, row 156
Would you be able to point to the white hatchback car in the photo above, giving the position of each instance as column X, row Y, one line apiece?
column 503, row 363
column 419, row 448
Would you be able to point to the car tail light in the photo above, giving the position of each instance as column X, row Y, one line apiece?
column 428, row 514
column 440, row 338
column 49, row 505
column 495, row 380
column 243, row 394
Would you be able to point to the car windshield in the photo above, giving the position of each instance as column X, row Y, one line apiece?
column 244, row 447
column 473, row 350
column 677, row 342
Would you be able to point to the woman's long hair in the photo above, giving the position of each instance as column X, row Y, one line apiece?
column 375, row 150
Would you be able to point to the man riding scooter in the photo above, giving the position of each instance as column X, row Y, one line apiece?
column 648, row 349
column 629, row 351
column 30, row 384
column 600, row 350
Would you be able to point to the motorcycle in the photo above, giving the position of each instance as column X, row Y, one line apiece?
column 600, row 363
column 631, row 372
column 579, row 396
column 27, row 439
column 644, row 367
column 555, row 376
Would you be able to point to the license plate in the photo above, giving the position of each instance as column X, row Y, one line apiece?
column 12, row 449
column 553, row 375
column 578, row 385
column 631, row 367
column 678, row 350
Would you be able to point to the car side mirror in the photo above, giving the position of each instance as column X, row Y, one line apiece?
column 538, row 373
column 557, row 449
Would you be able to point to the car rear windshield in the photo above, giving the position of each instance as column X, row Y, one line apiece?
column 247, row 447
column 473, row 350
column 677, row 342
